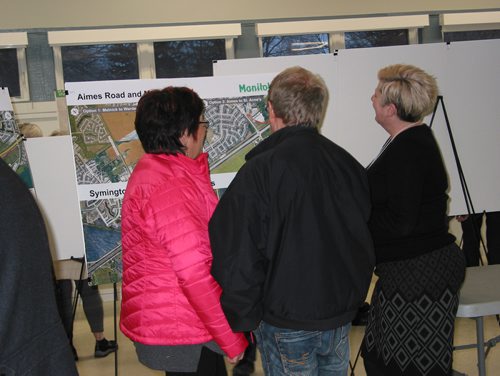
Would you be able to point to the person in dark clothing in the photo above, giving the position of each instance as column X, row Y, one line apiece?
column 290, row 238
column 32, row 338
column 471, row 230
column 420, row 268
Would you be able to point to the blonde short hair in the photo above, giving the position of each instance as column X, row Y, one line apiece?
column 298, row 97
column 413, row 91
column 30, row 130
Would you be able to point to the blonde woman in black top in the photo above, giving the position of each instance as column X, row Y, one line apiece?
column 420, row 268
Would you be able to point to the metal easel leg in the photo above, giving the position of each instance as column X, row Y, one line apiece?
column 115, row 298
column 480, row 346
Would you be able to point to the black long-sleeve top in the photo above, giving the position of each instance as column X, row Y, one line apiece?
column 409, row 184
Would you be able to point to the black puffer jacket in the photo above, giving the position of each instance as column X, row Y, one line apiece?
column 289, row 237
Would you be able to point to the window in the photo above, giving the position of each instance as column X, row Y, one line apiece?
column 323, row 36
column 295, row 45
column 9, row 71
column 190, row 58
column 360, row 39
column 456, row 36
column 470, row 26
column 128, row 53
column 100, row 62
column 13, row 72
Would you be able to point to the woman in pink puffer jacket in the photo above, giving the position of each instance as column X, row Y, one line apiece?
column 170, row 301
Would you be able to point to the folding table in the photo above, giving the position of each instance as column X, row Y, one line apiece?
column 479, row 297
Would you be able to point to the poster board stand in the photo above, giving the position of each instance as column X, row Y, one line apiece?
column 115, row 331
column 465, row 189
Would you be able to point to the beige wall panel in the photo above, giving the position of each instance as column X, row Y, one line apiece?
column 29, row 14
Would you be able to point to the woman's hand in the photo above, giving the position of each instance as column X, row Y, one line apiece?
column 461, row 218
column 236, row 358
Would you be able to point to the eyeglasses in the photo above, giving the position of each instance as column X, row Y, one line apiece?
column 205, row 123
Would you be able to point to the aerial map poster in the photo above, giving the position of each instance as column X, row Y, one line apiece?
column 106, row 148
column 12, row 148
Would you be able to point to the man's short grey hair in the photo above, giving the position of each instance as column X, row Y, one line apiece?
column 298, row 97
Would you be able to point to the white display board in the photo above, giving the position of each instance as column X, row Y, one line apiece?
column 468, row 75
column 471, row 93
column 106, row 148
column 5, row 102
column 53, row 169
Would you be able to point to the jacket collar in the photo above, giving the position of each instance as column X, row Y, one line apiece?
column 278, row 137
column 199, row 165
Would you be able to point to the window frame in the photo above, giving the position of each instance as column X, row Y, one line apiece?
column 19, row 41
column 144, row 39
column 336, row 28
column 475, row 21
column 463, row 22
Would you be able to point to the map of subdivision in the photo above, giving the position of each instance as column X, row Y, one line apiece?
column 107, row 149
column 236, row 126
column 12, row 148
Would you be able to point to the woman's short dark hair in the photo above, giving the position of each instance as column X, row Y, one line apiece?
column 163, row 116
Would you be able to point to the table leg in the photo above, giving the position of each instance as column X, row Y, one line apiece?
column 480, row 346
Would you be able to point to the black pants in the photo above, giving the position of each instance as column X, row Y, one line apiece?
column 471, row 238
column 92, row 305
column 211, row 364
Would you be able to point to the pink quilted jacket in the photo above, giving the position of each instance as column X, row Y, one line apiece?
column 168, row 294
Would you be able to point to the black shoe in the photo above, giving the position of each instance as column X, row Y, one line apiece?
column 104, row 348
column 243, row 368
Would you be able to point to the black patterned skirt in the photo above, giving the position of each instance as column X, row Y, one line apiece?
column 412, row 316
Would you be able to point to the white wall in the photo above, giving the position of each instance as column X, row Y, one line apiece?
column 43, row 114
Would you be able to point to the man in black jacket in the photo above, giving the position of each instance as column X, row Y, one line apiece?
column 32, row 337
column 292, row 250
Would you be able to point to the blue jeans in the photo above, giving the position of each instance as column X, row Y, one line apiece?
column 300, row 352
